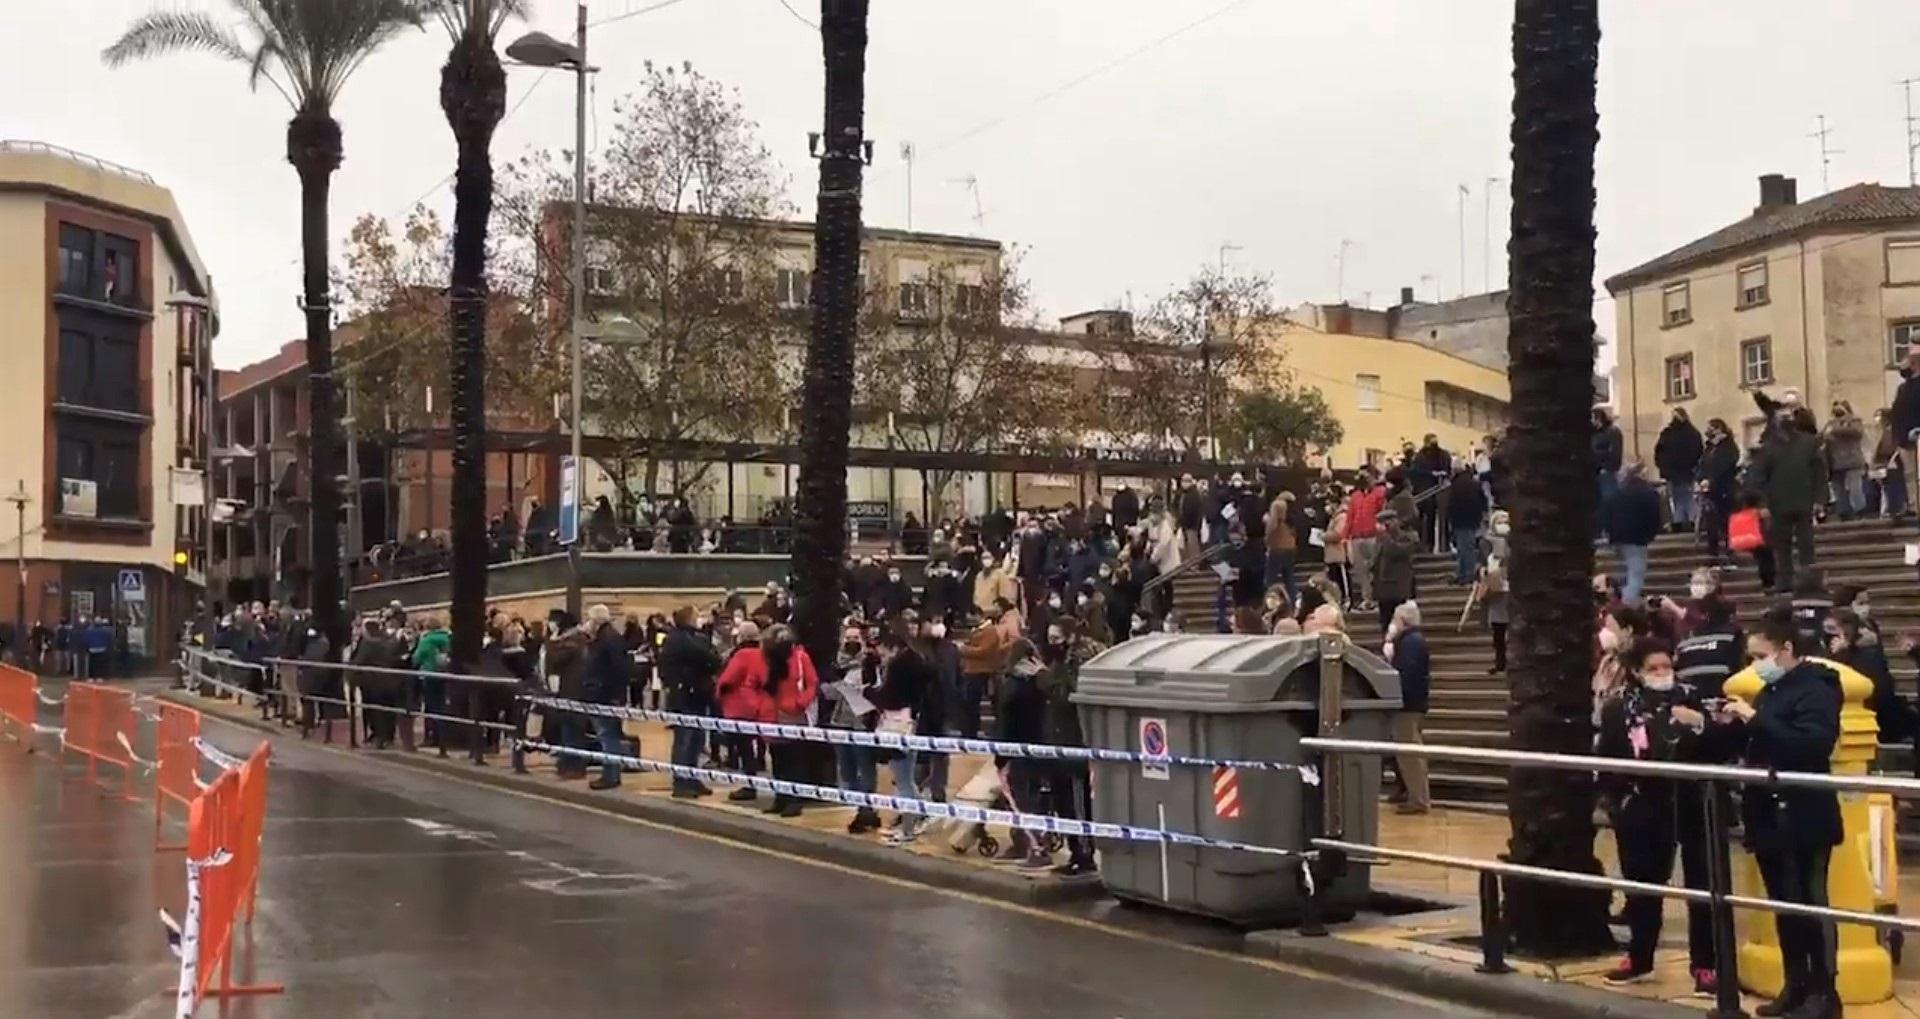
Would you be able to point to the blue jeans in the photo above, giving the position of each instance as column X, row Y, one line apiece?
column 1680, row 494
column 686, row 754
column 901, row 768
column 1466, row 553
column 1848, row 491
column 611, row 742
column 858, row 773
column 1635, row 558
column 1893, row 492
column 1280, row 570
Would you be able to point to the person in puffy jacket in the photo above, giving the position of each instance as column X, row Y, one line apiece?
column 1676, row 455
column 743, row 697
column 1069, row 783
column 794, row 686
column 1843, row 441
column 1407, row 650
column 688, row 663
column 1632, row 520
column 604, row 681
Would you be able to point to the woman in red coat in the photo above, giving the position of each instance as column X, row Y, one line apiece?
column 742, row 691
column 792, row 683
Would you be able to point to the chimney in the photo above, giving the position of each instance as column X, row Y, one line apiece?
column 1777, row 191
column 1406, row 296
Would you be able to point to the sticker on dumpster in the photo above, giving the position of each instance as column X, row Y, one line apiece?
column 1153, row 743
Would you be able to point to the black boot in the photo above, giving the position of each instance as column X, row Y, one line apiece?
column 1790, row 999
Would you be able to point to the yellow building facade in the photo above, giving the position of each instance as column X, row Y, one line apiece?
column 1385, row 392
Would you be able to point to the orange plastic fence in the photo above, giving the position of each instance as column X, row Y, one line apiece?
column 100, row 727
column 227, row 817
column 177, row 764
column 18, row 692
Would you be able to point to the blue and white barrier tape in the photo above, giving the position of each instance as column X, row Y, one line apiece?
column 926, row 808
column 217, row 755
column 931, row 744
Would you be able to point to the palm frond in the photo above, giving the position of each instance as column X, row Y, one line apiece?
column 163, row 32
column 462, row 18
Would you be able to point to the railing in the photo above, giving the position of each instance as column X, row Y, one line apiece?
column 414, row 703
column 1718, row 896
column 1206, row 555
column 44, row 149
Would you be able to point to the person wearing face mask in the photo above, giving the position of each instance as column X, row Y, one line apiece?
column 1492, row 592
column 1887, row 493
column 1719, row 470
column 1676, row 455
column 1860, row 600
column 1050, row 608
column 1713, row 647
column 1276, row 607
column 1792, row 725
column 1190, row 513
column 1393, row 572
column 1841, row 439
column 940, row 597
column 896, row 596
column 1021, row 717
column 1407, row 650
column 1284, row 536
column 983, row 657
column 1069, row 783
column 993, row 583
column 1788, row 474
column 1850, row 642
column 1658, row 717
column 1619, row 628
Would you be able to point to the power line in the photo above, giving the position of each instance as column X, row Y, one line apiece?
column 797, row 16
column 649, row 9
column 1085, row 77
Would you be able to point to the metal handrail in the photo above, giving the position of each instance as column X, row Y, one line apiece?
column 1186, row 567
column 1621, row 766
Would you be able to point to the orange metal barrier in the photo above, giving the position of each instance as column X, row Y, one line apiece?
column 224, row 823
column 18, row 691
column 100, row 726
column 177, row 764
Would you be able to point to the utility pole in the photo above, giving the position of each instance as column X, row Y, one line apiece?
column 1340, row 279
column 20, row 498
column 1486, row 241
column 1226, row 246
column 906, row 155
column 1913, row 137
column 1465, row 192
column 354, row 496
column 1826, row 152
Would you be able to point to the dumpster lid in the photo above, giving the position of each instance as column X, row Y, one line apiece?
column 1232, row 672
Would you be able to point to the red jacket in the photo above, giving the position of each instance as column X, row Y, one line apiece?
column 742, row 687
column 797, row 692
column 1363, row 512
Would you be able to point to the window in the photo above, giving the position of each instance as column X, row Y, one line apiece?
column 1903, row 261
column 1676, row 303
column 733, row 283
column 793, row 288
column 1752, row 284
column 100, row 365
column 76, row 260
column 969, row 299
column 106, row 454
column 1756, row 361
column 1367, row 391
column 1680, row 377
column 599, row 280
column 1434, row 409
column 1904, row 337
column 913, row 300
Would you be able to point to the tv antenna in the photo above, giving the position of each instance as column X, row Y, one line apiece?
column 972, row 184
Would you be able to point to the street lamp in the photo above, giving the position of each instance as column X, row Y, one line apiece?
column 538, row 49
column 20, row 498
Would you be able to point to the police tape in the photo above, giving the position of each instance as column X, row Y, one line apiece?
column 217, row 755
column 52, row 702
column 900, row 741
column 929, row 808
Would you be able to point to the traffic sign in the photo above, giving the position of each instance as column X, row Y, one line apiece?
column 133, row 585
column 1153, row 744
column 569, row 500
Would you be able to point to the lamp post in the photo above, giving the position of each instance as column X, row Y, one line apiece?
column 195, row 313
column 20, row 498
column 538, row 49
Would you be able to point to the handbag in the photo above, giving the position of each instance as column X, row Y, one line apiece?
column 898, row 722
column 1743, row 531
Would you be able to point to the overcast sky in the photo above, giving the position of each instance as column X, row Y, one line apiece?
column 1279, row 126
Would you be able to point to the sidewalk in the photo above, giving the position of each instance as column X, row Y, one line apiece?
column 1432, row 951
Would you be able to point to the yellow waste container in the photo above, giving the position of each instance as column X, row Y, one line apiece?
column 1865, row 969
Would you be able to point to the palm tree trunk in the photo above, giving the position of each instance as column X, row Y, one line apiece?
column 1556, row 55
column 473, row 96
column 820, row 532
column 314, row 148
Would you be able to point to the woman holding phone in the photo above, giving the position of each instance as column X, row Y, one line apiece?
column 1792, row 726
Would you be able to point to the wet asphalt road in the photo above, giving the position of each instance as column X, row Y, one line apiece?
column 390, row 893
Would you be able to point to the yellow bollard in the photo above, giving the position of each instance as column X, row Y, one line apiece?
column 1865, row 969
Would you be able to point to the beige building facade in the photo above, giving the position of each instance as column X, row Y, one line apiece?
column 1821, row 297
column 109, row 316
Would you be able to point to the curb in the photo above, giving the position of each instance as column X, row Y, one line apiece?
column 847, row 852
column 1514, row 993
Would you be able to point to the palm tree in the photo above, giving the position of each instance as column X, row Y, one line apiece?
column 473, row 95
column 306, row 50
column 1556, row 56
column 820, row 528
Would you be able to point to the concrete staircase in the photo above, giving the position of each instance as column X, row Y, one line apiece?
column 1470, row 705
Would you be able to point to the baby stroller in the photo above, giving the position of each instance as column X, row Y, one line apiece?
column 987, row 788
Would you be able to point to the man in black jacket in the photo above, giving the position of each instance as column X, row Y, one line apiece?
column 1632, row 520
column 604, row 681
column 1792, row 726
column 1126, row 508
column 688, row 665
column 1676, row 455
column 1431, row 468
column 1607, row 452
column 1905, row 415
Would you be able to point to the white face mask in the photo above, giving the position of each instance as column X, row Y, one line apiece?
column 938, row 630
column 1053, row 602
column 1863, row 609
column 1609, row 640
column 1699, row 589
column 1658, row 680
